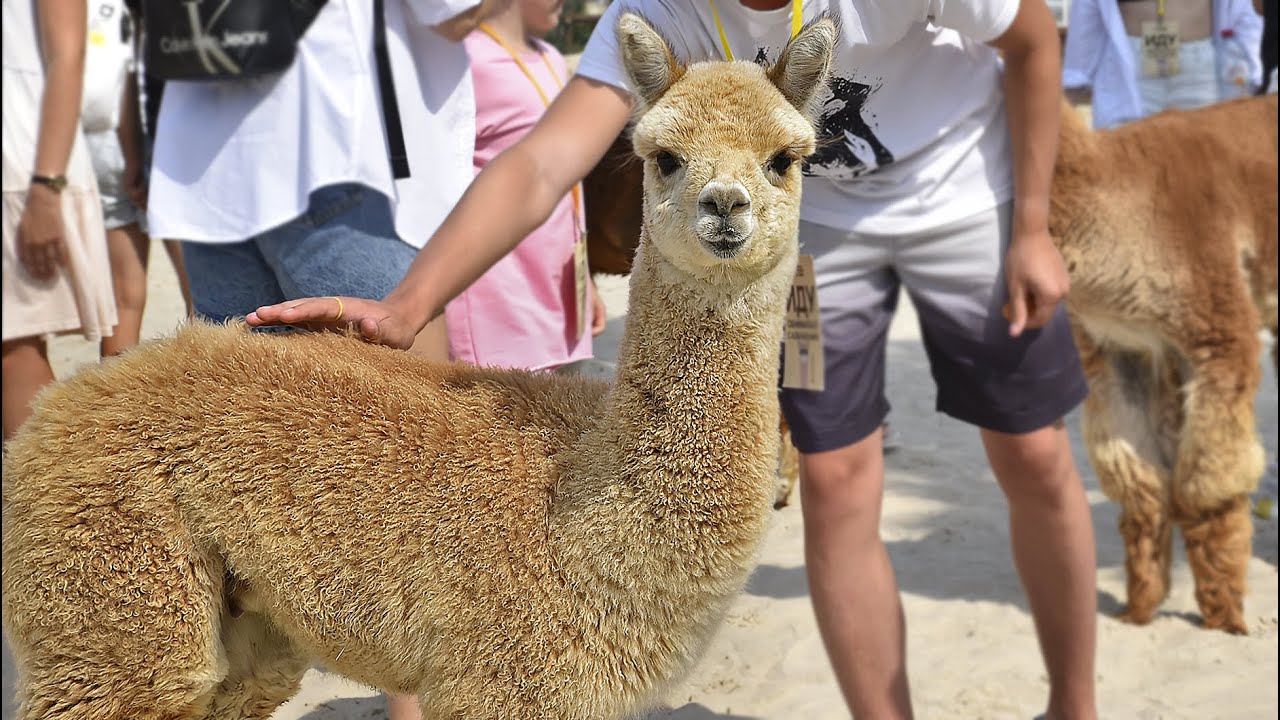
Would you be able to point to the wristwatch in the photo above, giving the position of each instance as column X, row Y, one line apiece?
column 54, row 182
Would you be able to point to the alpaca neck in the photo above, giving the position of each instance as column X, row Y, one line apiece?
column 686, row 448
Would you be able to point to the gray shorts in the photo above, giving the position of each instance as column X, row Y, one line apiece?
column 955, row 277
column 108, row 165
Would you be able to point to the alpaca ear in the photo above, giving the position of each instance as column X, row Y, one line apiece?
column 647, row 57
column 804, row 66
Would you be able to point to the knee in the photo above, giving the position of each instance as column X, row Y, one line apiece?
column 844, row 489
column 131, row 294
column 22, row 352
column 1035, row 468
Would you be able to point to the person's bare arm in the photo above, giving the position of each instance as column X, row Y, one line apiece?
column 513, row 195
column 130, row 136
column 41, row 244
column 1037, row 278
column 459, row 26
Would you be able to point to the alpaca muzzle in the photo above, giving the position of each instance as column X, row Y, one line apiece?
column 725, row 221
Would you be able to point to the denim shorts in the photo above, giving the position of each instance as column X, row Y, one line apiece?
column 344, row 244
column 108, row 165
column 1196, row 84
column 955, row 277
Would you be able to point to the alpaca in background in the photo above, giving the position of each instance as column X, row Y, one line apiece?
column 1168, row 227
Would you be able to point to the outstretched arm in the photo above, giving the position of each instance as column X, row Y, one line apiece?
column 513, row 195
column 453, row 19
column 1036, row 275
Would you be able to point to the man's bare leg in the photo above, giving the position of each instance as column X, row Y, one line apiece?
column 851, row 582
column 1051, row 531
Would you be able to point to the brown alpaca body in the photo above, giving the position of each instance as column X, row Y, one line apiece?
column 191, row 526
column 1168, row 227
column 612, row 195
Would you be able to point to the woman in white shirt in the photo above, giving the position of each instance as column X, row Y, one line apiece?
column 56, row 277
column 1104, row 54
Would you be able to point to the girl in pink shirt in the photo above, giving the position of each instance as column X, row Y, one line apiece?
column 522, row 313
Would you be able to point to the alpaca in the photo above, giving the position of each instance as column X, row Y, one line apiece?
column 188, row 527
column 1168, row 228
column 613, row 195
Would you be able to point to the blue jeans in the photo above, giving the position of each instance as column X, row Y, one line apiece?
column 344, row 244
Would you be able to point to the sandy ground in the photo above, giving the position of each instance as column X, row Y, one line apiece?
column 972, row 652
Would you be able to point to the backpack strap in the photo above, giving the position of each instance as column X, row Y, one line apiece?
column 386, row 86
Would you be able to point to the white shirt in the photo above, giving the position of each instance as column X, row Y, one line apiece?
column 1099, row 55
column 235, row 158
column 914, row 115
column 106, row 63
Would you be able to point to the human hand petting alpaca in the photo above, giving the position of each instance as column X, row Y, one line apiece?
column 380, row 322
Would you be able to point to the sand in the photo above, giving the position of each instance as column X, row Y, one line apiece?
column 972, row 652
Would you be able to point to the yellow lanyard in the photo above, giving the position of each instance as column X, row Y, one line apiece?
column 797, row 20
column 546, row 101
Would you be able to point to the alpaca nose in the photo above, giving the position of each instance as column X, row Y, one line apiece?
column 723, row 199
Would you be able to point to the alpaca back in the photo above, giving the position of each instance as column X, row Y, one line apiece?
column 1168, row 194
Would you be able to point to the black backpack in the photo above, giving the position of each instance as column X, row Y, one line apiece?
column 241, row 39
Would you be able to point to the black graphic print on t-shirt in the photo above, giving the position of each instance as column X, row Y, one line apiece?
column 847, row 146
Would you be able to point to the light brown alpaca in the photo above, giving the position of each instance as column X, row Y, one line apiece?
column 1168, row 227
column 613, row 195
column 187, row 528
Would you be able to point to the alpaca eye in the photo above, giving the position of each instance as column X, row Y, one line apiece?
column 780, row 163
column 667, row 163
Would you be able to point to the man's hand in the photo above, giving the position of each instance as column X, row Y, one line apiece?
column 1037, row 281
column 383, row 323
column 42, row 247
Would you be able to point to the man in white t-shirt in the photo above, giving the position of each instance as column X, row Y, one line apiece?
column 934, row 174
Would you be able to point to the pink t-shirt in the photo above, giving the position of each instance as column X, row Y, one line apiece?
column 521, row 313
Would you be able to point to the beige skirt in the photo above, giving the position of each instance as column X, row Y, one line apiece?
column 80, row 297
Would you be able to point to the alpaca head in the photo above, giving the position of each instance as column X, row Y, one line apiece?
column 722, row 145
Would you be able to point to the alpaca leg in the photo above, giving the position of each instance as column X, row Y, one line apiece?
column 264, row 670
column 1219, row 543
column 1121, row 431
column 1219, row 463
column 118, row 628
column 1148, row 544
column 1219, row 456
column 788, row 468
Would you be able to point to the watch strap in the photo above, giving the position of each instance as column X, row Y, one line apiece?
column 53, row 182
